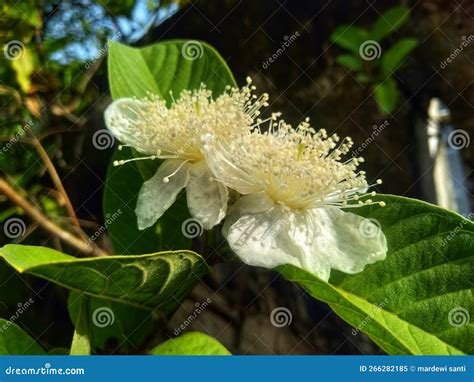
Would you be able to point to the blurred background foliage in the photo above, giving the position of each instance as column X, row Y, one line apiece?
column 371, row 64
column 53, row 91
column 53, row 75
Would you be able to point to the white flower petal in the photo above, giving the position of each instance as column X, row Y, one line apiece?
column 267, row 235
column 121, row 117
column 304, row 233
column 348, row 241
column 247, row 204
column 261, row 239
column 207, row 198
column 315, row 240
column 156, row 196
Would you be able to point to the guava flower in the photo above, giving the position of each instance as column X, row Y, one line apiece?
column 295, row 186
column 174, row 134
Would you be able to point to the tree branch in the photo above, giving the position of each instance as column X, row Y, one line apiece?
column 56, row 180
column 84, row 246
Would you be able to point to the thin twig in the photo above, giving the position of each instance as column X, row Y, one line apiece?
column 66, row 111
column 61, row 192
column 60, row 110
column 56, row 180
column 15, row 140
column 57, row 130
column 78, row 243
column 29, row 230
column 83, row 222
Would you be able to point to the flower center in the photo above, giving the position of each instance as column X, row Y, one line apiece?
column 301, row 168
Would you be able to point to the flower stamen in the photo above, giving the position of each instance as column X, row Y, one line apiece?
column 166, row 179
column 123, row 161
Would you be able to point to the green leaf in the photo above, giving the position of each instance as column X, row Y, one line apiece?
column 14, row 341
column 386, row 95
column 192, row 343
column 24, row 11
column 349, row 37
column 157, row 281
column 389, row 22
column 171, row 65
column 393, row 58
column 24, row 67
column 81, row 344
column 350, row 61
column 124, row 326
column 363, row 78
column 420, row 298
column 58, row 351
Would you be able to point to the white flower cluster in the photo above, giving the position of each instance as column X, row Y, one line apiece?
column 292, row 183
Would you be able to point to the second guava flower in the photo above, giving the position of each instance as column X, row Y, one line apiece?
column 295, row 186
column 173, row 133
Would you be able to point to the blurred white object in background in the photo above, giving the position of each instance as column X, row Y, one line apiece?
column 444, row 145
